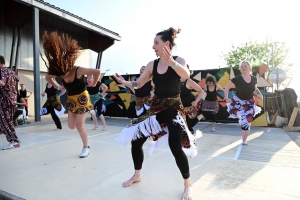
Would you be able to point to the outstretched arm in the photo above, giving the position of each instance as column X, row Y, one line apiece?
column 144, row 78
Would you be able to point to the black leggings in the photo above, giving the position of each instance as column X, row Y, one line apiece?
column 212, row 116
column 191, row 123
column 175, row 137
column 54, row 117
column 99, row 105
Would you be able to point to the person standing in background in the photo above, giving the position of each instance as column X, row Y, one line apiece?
column 23, row 93
column 8, row 101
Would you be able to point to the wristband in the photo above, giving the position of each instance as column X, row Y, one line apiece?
column 176, row 65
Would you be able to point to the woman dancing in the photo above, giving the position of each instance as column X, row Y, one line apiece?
column 190, row 103
column 61, row 52
column 164, row 120
column 210, row 106
column 53, row 104
column 242, row 105
column 97, row 100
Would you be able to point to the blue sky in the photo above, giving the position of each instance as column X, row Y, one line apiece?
column 209, row 28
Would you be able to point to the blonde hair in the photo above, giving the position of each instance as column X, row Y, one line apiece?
column 249, row 64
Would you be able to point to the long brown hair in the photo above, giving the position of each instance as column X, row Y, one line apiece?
column 61, row 52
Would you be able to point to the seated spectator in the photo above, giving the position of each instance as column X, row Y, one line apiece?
column 20, row 108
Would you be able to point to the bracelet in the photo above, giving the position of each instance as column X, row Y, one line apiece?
column 58, row 87
column 176, row 65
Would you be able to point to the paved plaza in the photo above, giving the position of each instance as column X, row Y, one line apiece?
column 47, row 165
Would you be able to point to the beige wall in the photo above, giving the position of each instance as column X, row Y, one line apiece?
column 26, row 77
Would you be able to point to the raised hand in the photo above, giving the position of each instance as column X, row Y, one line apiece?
column 119, row 78
column 167, row 56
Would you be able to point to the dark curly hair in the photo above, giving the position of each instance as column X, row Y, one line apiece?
column 169, row 35
column 211, row 78
column 61, row 52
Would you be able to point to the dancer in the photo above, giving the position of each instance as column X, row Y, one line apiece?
column 165, row 113
column 53, row 104
column 143, row 97
column 8, row 99
column 242, row 105
column 61, row 52
column 23, row 92
column 97, row 100
column 190, row 103
column 210, row 106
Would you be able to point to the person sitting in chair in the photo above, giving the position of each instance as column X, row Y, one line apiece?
column 21, row 103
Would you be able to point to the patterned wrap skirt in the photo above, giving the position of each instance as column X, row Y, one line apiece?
column 95, row 98
column 55, row 103
column 210, row 106
column 192, row 111
column 79, row 103
column 244, row 110
column 147, row 126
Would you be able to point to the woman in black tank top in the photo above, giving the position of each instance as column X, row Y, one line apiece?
column 164, row 121
column 190, row 103
column 78, row 103
column 210, row 106
column 97, row 99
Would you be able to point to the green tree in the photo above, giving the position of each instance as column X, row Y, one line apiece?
column 272, row 53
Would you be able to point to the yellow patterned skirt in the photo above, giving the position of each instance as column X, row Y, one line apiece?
column 79, row 103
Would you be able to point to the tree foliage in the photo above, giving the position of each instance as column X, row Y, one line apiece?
column 272, row 53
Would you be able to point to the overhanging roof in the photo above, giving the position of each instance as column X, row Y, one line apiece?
column 16, row 13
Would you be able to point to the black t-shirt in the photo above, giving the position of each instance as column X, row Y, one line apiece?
column 94, row 90
column 244, row 91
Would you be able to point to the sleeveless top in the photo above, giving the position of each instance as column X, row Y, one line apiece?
column 186, row 95
column 75, row 87
column 144, row 90
column 23, row 93
column 94, row 90
column 211, row 96
column 50, row 91
column 167, row 84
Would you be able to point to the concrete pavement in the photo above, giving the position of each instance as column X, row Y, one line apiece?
column 47, row 165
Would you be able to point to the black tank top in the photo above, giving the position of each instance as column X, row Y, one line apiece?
column 50, row 91
column 76, row 87
column 211, row 96
column 23, row 93
column 186, row 95
column 144, row 90
column 94, row 90
column 167, row 84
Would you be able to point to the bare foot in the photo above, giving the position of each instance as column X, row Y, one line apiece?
column 104, row 128
column 95, row 128
column 187, row 193
column 132, row 180
column 245, row 143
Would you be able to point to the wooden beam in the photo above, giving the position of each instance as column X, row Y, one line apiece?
column 293, row 117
